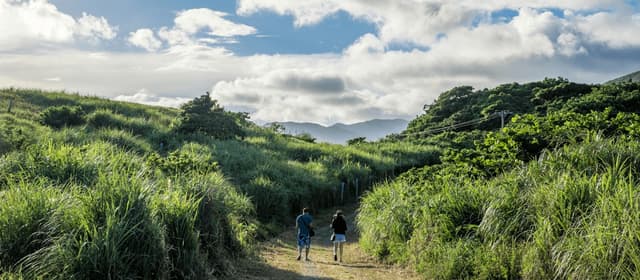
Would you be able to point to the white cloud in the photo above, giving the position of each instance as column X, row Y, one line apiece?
column 417, row 21
column 26, row 24
column 617, row 30
column 143, row 96
column 194, row 20
column 53, row 79
column 368, row 79
column 184, row 37
column 93, row 27
column 144, row 38
column 175, row 36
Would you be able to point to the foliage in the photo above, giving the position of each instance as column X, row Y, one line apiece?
column 306, row 137
column 357, row 140
column 205, row 115
column 553, row 195
column 127, row 197
column 60, row 116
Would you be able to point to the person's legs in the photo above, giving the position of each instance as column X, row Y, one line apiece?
column 341, row 250
column 335, row 249
column 301, row 244
column 307, row 247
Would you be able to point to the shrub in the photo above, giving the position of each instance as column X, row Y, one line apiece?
column 204, row 115
column 61, row 116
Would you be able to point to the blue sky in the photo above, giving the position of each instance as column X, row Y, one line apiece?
column 276, row 33
column 322, row 61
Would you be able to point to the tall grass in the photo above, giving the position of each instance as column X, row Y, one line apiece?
column 571, row 215
column 123, row 196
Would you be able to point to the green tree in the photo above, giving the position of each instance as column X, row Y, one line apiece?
column 205, row 115
column 357, row 140
column 307, row 137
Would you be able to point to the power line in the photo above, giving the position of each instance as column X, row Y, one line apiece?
column 496, row 115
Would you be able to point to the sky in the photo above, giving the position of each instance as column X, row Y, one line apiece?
column 322, row 61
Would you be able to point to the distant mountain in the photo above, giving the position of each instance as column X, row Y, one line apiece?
column 339, row 133
column 634, row 77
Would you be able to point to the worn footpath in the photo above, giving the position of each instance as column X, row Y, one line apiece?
column 278, row 257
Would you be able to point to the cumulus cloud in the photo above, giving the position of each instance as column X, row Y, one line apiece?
column 617, row 30
column 26, row 24
column 534, row 44
column 194, row 20
column 587, row 41
column 415, row 21
column 93, row 27
column 144, row 38
column 298, row 82
column 185, row 38
column 143, row 96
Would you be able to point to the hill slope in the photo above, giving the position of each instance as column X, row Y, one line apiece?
column 553, row 195
column 340, row 133
column 93, row 188
column 633, row 77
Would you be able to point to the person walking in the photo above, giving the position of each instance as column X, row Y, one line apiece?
column 339, row 226
column 304, row 223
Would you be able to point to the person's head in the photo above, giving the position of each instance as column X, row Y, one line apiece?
column 339, row 213
column 306, row 210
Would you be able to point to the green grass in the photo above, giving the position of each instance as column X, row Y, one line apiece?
column 123, row 195
column 571, row 215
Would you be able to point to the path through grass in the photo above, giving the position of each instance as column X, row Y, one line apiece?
column 277, row 257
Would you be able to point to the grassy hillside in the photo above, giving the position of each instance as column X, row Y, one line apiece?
column 93, row 188
column 632, row 77
column 553, row 195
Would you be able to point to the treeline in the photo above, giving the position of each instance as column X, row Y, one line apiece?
column 553, row 195
column 463, row 104
column 93, row 188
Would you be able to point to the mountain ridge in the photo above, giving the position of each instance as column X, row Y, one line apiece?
column 339, row 133
column 633, row 77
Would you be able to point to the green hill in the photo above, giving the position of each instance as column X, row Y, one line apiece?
column 633, row 77
column 93, row 188
column 555, row 194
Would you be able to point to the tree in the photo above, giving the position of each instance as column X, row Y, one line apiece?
column 205, row 115
column 357, row 140
column 276, row 127
column 307, row 137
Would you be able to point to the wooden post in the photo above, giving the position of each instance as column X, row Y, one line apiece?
column 357, row 188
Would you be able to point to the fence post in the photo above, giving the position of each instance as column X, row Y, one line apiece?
column 357, row 188
column 10, row 105
column 342, row 193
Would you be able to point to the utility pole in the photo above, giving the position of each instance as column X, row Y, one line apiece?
column 503, row 114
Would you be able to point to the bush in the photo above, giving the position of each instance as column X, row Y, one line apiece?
column 204, row 115
column 61, row 116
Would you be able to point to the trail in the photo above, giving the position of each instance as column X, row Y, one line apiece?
column 277, row 257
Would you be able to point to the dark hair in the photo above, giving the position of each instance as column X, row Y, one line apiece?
column 338, row 212
column 306, row 210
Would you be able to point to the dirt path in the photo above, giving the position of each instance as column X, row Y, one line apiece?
column 278, row 257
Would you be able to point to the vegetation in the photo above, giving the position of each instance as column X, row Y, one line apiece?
column 553, row 195
column 140, row 192
column 205, row 115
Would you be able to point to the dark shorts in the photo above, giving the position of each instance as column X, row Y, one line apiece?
column 304, row 241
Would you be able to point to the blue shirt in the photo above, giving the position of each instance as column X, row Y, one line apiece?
column 303, row 221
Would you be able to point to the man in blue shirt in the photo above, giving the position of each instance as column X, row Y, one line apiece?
column 304, row 224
